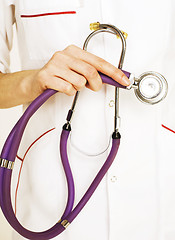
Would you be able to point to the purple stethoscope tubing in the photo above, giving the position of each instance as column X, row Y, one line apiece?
column 9, row 152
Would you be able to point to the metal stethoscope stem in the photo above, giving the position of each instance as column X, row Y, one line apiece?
column 114, row 30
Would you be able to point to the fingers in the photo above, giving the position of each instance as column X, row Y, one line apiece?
column 98, row 63
column 70, row 70
column 89, row 73
column 54, row 82
column 75, row 71
column 65, row 73
column 62, row 86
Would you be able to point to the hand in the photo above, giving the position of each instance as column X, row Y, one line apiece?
column 72, row 69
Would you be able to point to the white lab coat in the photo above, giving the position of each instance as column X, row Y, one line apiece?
column 136, row 198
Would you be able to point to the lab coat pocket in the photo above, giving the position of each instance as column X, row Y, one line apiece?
column 48, row 26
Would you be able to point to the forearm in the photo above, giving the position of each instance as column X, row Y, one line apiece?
column 17, row 88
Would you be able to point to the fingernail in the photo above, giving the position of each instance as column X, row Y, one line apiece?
column 126, row 81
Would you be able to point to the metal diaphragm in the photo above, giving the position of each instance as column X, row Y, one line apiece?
column 152, row 87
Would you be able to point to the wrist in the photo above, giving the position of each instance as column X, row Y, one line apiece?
column 29, row 86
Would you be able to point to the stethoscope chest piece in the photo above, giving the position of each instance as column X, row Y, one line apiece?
column 151, row 88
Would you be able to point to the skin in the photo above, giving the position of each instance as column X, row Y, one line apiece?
column 67, row 71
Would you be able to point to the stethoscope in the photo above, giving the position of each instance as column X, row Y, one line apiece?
column 150, row 87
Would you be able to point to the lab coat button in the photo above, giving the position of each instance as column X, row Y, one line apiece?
column 113, row 179
column 111, row 103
